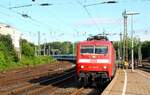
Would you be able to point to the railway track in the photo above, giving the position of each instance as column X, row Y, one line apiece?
column 41, row 86
column 145, row 66
column 55, row 83
column 15, row 77
column 25, row 77
column 23, row 81
column 21, row 71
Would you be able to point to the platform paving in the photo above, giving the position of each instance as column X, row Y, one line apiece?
column 127, row 82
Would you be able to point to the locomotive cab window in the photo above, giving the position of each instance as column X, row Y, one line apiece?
column 93, row 49
column 101, row 50
column 87, row 49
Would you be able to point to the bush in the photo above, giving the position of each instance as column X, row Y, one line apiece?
column 9, row 59
column 27, row 49
column 145, row 49
column 7, row 48
column 2, row 58
column 36, row 60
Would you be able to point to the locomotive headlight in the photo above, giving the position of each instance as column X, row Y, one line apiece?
column 82, row 66
column 105, row 67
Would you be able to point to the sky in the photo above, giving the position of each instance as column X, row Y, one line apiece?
column 68, row 20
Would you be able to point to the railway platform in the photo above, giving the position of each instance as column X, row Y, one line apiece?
column 127, row 82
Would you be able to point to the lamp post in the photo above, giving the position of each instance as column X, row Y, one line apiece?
column 132, row 46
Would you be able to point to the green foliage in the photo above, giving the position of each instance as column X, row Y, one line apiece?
column 27, row 48
column 9, row 59
column 60, row 47
column 25, row 61
column 2, row 58
column 8, row 55
column 119, row 45
column 136, row 46
column 115, row 44
column 146, row 49
column 7, row 49
column 55, row 45
column 66, row 48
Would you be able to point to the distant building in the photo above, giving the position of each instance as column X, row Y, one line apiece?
column 15, row 35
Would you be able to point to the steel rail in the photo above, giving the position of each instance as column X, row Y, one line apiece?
column 29, row 87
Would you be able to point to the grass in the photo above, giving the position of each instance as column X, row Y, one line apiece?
column 26, row 62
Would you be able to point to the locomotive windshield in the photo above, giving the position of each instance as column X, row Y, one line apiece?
column 87, row 49
column 94, row 50
column 101, row 50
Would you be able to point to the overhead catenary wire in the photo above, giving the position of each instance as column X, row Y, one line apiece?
column 60, row 20
column 41, row 4
column 15, row 12
column 31, row 20
column 89, row 14
column 105, row 2
column 29, row 5
column 36, row 22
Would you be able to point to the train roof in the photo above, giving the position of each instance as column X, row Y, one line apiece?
column 95, row 42
column 97, row 39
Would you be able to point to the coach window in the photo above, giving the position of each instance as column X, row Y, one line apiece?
column 101, row 50
column 87, row 49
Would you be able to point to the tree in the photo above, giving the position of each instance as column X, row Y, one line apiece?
column 67, row 48
column 145, row 49
column 7, row 48
column 27, row 49
column 59, row 47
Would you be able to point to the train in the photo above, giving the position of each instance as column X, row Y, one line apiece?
column 95, row 60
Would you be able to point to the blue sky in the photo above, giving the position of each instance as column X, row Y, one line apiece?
column 67, row 20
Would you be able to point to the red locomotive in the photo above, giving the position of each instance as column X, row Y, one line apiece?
column 95, row 60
